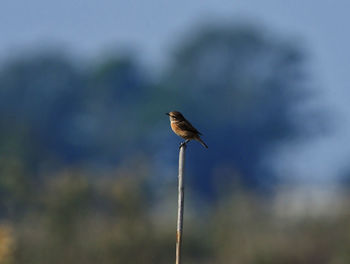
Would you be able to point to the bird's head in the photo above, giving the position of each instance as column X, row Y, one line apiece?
column 175, row 116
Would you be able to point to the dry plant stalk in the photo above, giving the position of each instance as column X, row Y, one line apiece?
column 180, row 208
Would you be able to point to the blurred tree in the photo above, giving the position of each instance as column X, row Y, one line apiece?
column 243, row 87
column 15, row 189
column 53, row 113
column 38, row 96
column 110, row 122
column 240, row 86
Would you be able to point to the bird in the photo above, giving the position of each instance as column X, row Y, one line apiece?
column 184, row 128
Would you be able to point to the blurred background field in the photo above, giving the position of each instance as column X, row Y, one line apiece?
column 88, row 164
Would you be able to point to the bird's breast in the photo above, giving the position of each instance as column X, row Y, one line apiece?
column 181, row 132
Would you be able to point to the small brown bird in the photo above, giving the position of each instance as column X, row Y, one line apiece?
column 183, row 128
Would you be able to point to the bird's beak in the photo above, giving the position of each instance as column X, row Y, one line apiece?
column 167, row 114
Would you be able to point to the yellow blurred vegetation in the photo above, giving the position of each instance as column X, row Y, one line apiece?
column 6, row 244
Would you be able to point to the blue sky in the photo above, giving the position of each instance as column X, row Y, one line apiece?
column 90, row 27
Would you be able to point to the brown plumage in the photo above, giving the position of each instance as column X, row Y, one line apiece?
column 184, row 128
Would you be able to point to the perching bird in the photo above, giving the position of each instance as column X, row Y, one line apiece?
column 183, row 128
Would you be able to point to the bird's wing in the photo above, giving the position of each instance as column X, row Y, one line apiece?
column 185, row 125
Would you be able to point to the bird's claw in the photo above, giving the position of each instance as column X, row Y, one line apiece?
column 182, row 144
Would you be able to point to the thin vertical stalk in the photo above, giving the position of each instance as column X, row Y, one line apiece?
column 180, row 208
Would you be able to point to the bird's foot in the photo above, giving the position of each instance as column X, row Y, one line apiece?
column 183, row 144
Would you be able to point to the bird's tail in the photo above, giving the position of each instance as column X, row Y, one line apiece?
column 201, row 141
